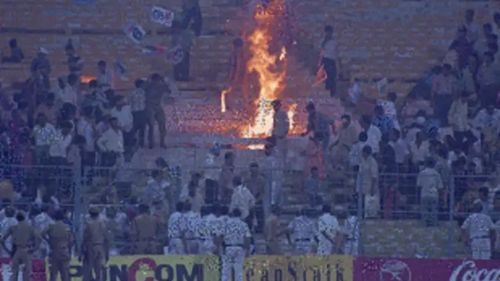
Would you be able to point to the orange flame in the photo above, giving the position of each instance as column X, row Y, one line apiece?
column 270, row 69
column 291, row 114
column 85, row 79
column 223, row 99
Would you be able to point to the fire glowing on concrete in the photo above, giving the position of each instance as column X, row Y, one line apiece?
column 270, row 69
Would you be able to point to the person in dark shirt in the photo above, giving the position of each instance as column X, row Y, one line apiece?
column 16, row 54
column 462, row 46
column 154, row 107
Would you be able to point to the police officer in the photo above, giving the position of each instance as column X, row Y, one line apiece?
column 176, row 229
column 351, row 232
column 144, row 232
column 95, row 247
column 24, row 241
column 236, row 240
column 272, row 231
column 207, row 231
column 328, row 226
column 479, row 230
column 60, row 240
column 301, row 233
column 222, row 216
column 192, row 220
column 5, row 224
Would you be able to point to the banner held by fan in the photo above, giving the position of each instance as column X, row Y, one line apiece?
column 175, row 54
column 135, row 32
column 162, row 16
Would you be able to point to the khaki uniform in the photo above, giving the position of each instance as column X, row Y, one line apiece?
column 272, row 229
column 95, row 249
column 145, row 229
column 24, row 238
column 60, row 240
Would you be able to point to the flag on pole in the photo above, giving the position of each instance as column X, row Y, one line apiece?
column 162, row 16
column 175, row 54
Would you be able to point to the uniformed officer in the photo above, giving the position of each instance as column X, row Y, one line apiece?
column 301, row 233
column 24, row 241
column 7, row 222
column 144, row 232
column 60, row 240
column 273, row 231
column 176, row 229
column 192, row 220
column 207, row 231
column 41, row 222
column 219, row 224
column 95, row 247
column 328, row 226
column 236, row 240
column 479, row 230
column 351, row 232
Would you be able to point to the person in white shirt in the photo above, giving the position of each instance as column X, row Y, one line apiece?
column 478, row 232
column 401, row 149
column 5, row 224
column 419, row 150
column 85, row 128
column 236, row 239
column 367, row 182
column 137, row 100
column 328, row 228
column 122, row 112
column 351, row 232
column 356, row 151
column 328, row 59
column 58, row 150
column 70, row 92
column 104, row 76
column 111, row 144
column 44, row 134
column 430, row 184
column 373, row 132
column 242, row 199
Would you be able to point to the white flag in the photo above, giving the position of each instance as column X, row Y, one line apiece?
column 135, row 32
column 162, row 16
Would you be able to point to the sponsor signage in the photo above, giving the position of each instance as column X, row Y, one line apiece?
column 155, row 268
column 38, row 270
column 298, row 268
column 389, row 269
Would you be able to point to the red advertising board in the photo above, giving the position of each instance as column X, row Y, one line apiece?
column 391, row 269
column 38, row 270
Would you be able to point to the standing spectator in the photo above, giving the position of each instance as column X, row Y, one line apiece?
column 471, row 27
column 122, row 112
column 191, row 11
column 478, row 232
column 104, row 76
column 328, row 229
column 58, row 150
column 154, row 107
column 281, row 125
column 226, row 176
column 328, row 59
column 70, row 92
column 5, row 224
column 44, row 134
column 442, row 93
column 193, row 192
column 111, row 144
column 85, row 128
column 458, row 118
column 481, row 45
column 356, row 151
column 315, row 157
column 16, row 54
column 347, row 136
column 389, row 107
column 462, row 47
column 484, row 199
column 401, row 150
column 41, row 68
column 259, row 187
column 367, row 182
column 372, row 132
column 48, row 108
column 137, row 100
column 273, row 230
column 318, row 124
column 243, row 200
column 237, row 63
column 488, row 80
column 419, row 150
column 312, row 187
column 382, row 121
column 156, row 189
column 430, row 184
column 184, row 39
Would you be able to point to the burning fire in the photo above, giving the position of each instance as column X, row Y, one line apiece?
column 85, row 79
column 270, row 69
column 223, row 94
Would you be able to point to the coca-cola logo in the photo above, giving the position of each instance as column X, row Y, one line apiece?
column 468, row 271
column 395, row 270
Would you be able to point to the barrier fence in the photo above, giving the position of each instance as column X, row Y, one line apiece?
column 392, row 221
column 279, row 268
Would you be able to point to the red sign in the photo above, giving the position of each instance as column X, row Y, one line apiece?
column 392, row 269
column 38, row 270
